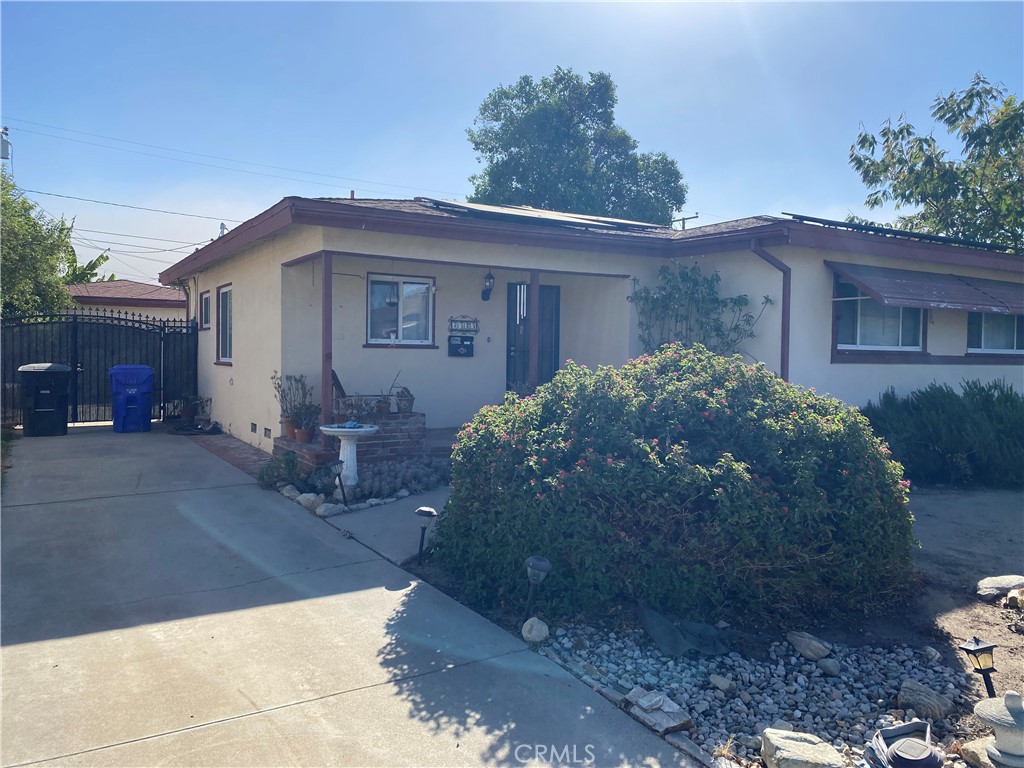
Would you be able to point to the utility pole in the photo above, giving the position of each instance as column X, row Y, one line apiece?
column 682, row 221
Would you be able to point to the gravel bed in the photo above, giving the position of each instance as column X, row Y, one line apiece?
column 844, row 710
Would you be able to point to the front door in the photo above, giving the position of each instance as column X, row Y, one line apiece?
column 517, row 365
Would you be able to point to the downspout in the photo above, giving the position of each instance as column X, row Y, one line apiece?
column 787, row 288
column 326, row 344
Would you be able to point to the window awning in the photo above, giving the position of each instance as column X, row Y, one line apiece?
column 908, row 288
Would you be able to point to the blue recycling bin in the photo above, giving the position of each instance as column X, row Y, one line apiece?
column 132, row 388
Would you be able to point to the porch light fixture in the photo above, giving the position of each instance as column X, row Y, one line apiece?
column 980, row 654
column 536, row 569
column 428, row 514
column 485, row 294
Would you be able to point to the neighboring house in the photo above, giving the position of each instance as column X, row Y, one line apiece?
column 371, row 288
column 129, row 297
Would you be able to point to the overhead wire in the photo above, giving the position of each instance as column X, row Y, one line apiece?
column 346, row 179
column 140, row 237
column 125, row 205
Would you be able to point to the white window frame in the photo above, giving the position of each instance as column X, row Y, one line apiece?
column 899, row 347
column 222, row 291
column 401, row 281
column 205, row 310
column 987, row 351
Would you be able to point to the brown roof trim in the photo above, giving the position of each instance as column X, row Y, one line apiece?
column 262, row 225
column 779, row 232
column 119, row 301
column 812, row 236
column 334, row 214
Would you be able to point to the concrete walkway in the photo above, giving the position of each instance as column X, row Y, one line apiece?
column 159, row 608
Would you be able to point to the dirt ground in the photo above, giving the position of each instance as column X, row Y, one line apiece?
column 964, row 537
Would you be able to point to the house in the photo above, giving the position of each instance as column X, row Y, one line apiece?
column 463, row 301
column 129, row 297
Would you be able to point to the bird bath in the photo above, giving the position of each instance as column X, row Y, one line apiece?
column 347, row 436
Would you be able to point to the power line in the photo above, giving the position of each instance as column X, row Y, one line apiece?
column 125, row 205
column 90, row 244
column 140, row 237
column 214, row 157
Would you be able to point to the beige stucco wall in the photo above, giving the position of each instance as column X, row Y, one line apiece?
column 857, row 383
column 449, row 390
column 242, row 393
column 277, row 317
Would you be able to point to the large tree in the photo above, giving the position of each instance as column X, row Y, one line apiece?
column 34, row 253
column 553, row 143
column 75, row 273
column 978, row 195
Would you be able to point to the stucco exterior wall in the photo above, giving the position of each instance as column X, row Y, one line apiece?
column 449, row 390
column 242, row 393
column 741, row 273
column 856, row 383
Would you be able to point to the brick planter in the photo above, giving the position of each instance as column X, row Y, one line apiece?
column 401, row 436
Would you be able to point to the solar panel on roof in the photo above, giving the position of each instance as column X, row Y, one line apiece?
column 525, row 212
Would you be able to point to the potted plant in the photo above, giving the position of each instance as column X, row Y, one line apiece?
column 404, row 399
column 383, row 403
column 306, row 418
column 291, row 392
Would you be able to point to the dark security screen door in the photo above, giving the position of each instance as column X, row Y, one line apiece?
column 517, row 358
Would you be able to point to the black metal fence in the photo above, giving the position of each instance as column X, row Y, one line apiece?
column 91, row 343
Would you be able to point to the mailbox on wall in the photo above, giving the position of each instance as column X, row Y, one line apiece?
column 460, row 346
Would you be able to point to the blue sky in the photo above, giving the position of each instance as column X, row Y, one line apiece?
column 757, row 102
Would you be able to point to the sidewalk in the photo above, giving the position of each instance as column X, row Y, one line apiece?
column 159, row 608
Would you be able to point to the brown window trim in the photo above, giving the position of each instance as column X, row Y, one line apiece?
column 385, row 345
column 218, row 360
column 209, row 317
column 884, row 357
column 921, row 358
column 433, row 312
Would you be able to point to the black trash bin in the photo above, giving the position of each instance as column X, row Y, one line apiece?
column 132, row 388
column 44, row 399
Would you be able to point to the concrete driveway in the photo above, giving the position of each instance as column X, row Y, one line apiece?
column 159, row 608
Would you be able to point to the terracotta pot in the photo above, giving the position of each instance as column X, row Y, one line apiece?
column 304, row 435
column 289, row 428
column 404, row 404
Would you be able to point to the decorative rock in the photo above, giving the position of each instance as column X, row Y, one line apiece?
column 535, row 630
column 402, row 494
column 782, row 725
column 830, row 667
column 690, row 749
column 650, row 701
column 661, row 722
column 975, row 753
column 310, row 501
column 1014, row 599
column 358, row 507
column 330, row 510
column 634, row 695
column 338, row 495
column 809, row 646
column 785, row 749
column 931, row 654
column 923, row 700
column 612, row 695
column 995, row 587
column 375, row 502
column 290, row 492
column 723, row 684
column 1006, row 717
column 663, row 632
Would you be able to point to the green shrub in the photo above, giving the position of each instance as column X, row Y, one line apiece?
column 702, row 485
column 974, row 438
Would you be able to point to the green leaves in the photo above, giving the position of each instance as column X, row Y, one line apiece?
column 34, row 252
column 979, row 196
column 698, row 483
column 554, row 144
column 685, row 307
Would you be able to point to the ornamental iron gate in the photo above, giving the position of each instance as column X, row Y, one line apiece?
column 91, row 344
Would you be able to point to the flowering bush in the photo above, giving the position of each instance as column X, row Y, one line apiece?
column 698, row 483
